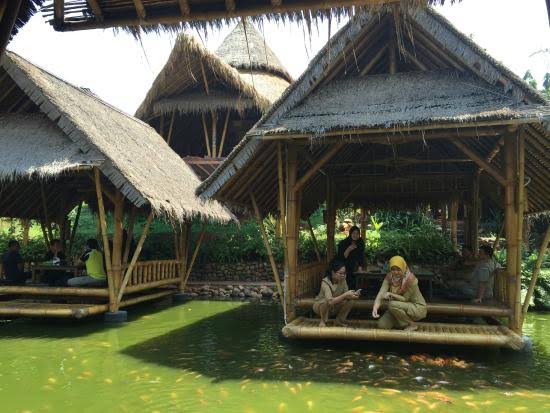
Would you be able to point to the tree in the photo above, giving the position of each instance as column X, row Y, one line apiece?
column 528, row 77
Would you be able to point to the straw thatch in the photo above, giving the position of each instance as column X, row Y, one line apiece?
column 14, row 15
column 134, row 158
column 174, row 16
column 439, row 85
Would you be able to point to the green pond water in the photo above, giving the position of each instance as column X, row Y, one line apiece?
column 222, row 356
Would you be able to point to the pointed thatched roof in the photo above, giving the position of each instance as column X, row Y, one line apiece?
column 129, row 153
column 15, row 14
column 436, row 80
column 246, row 49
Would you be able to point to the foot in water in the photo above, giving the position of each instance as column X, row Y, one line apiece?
column 411, row 327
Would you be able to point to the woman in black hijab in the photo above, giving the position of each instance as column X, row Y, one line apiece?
column 352, row 251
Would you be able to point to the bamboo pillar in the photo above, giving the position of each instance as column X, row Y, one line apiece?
column 106, row 249
column 444, row 218
column 129, row 234
column 511, row 221
column 520, row 204
column 536, row 270
column 475, row 213
column 74, row 228
column 454, row 221
column 331, row 218
column 282, row 199
column 292, row 218
column 363, row 222
column 214, row 133
column 184, row 249
column 116, row 257
column 195, row 253
column 314, row 239
column 272, row 262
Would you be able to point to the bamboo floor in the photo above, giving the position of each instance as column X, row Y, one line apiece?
column 450, row 308
column 427, row 333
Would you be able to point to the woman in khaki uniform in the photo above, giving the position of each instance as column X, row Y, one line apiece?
column 334, row 297
column 405, row 301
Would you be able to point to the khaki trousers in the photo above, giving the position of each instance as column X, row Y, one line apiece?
column 323, row 309
column 401, row 314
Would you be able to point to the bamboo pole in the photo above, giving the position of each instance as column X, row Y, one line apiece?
column 331, row 218
column 393, row 49
column 224, row 133
column 315, row 245
column 281, row 187
column 195, row 253
column 454, row 221
column 45, row 208
column 268, row 248
column 291, row 230
column 184, row 251
column 75, row 226
column 491, row 170
column 536, row 270
column 45, row 235
column 206, row 139
column 129, row 234
column 474, row 215
column 520, row 203
column 444, row 218
column 171, row 128
column 106, row 249
column 214, row 133
column 116, row 256
column 135, row 257
column 327, row 156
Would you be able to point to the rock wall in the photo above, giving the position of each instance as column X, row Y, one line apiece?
column 238, row 272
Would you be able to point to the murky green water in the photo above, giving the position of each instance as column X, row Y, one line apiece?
column 228, row 356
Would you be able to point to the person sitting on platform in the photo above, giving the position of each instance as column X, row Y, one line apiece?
column 55, row 256
column 480, row 287
column 406, row 305
column 334, row 297
column 12, row 263
column 351, row 250
column 95, row 270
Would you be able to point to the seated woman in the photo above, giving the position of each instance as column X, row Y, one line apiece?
column 406, row 305
column 334, row 297
column 351, row 251
column 95, row 270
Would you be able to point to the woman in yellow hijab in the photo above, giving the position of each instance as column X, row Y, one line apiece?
column 406, row 305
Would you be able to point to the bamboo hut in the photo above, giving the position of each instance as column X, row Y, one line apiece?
column 203, row 103
column 14, row 14
column 62, row 146
column 174, row 15
column 420, row 113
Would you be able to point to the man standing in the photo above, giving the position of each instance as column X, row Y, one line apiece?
column 13, row 264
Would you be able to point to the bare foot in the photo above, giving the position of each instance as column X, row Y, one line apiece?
column 340, row 323
column 322, row 324
column 411, row 327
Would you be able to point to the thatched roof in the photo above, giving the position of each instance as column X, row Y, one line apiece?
column 175, row 16
column 15, row 15
column 402, row 99
column 131, row 155
column 245, row 48
column 438, row 84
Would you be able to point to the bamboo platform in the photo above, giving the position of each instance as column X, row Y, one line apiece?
column 435, row 308
column 427, row 333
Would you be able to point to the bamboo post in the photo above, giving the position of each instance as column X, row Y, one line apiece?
column 536, row 270
column 214, row 133
column 363, row 222
column 106, row 249
column 195, row 253
column 281, row 187
column 268, row 248
column 474, row 214
column 331, row 218
column 45, row 208
column 171, row 128
column 116, row 256
column 291, row 230
column 511, row 221
column 186, row 230
column 45, row 235
column 315, row 245
column 444, row 218
column 393, row 49
column 135, row 257
column 73, row 229
column 206, row 139
column 454, row 221
column 129, row 234
column 520, row 203
column 224, row 133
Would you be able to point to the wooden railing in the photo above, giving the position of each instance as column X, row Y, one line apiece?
column 150, row 274
column 505, row 288
column 308, row 278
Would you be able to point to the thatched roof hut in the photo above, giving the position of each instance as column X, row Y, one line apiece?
column 13, row 16
column 204, row 102
column 177, row 15
column 53, row 133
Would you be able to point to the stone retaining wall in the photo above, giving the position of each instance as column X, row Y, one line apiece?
column 238, row 272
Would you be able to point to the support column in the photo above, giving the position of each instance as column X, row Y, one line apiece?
column 363, row 222
column 520, row 206
column 474, row 214
column 444, row 217
column 292, row 219
column 331, row 218
column 454, row 221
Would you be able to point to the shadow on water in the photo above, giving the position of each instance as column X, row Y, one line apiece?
column 246, row 343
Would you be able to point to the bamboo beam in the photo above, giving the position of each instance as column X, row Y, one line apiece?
column 171, row 128
column 9, row 18
column 135, row 257
column 206, row 139
column 413, row 58
column 365, row 71
column 315, row 244
column 327, row 156
column 292, row 218
column 224, row 133
column 204, row 78
column 129, row 234
column 58, row 13
column 185, row 8
column 393, row 48
column 106, row 249
column 54, row 291
column 272, row 262
column 140, row 9
column 75, row 226
column 214, row 132
column 195, row 253
column 536, row 270
column 491, row 170
column 94, row 5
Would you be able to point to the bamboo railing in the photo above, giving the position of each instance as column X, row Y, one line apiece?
column 151, row 274
column 505, row 288
column 308, row 278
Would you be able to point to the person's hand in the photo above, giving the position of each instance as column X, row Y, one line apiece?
column 388, row 296
column 352, row 247
column 375, row 313
column 350, row 294
column 476, row 301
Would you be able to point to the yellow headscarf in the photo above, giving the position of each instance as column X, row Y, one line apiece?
column 399, row 262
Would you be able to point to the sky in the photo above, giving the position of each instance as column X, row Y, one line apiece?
column 120, row 69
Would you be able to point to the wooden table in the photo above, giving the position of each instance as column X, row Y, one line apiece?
column 360, row 277
column 38, row 270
